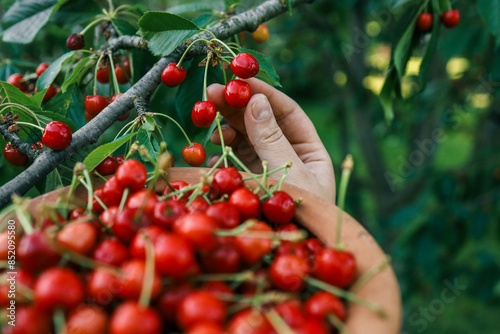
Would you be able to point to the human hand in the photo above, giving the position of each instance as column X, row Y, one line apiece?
column 273, row 127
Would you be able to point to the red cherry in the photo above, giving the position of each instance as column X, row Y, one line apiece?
column 291, row 312
column 144, row 200
column 194, row 155
column 203, row 113
column 322, row 303
column 103, row 286
column 166, row 212
column 111, row 251
column 280, row 208
column 121, row 75
column 206, row 328
column 173, row 255
column 225, row 258
column 127, row 222
column 227, row 180
column 49, row 94
column 57, row 136
column 247, row 203
column 131, row 173
column 254, row 249
column 131, row 280
column 107, row 167
column 226, row 215
column 288, row 247
column 199, row 205
column 34, row 252
column 171, row 298
column 17, row 80
column 288, row 271
column 29, row 320
column 198, row 229
column 450, row 18
column 261, row 34
column 237, row 93
column 96, row 206
column 120, row 158
column 41, row 68
column 313, row 245
column 94, row 104
column 14, row 157
column 219, row 290
column 176, row 185
column 198, row 307
column 311, row 326
column 425, row 21
column 138, row 245
column 172, row 75
column 86, row 320
column 112, row 192
column 335, row 267
column 250, row 322
column 245, row 66
column 132, row 318
column 58, row 287
column 103, row 74
column 79, row 237
column 75, row 42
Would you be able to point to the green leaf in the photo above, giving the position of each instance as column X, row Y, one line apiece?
column 430, row 51
column 61, row 102
column 100, row 153
column 53, row 181
column 386, row 95
column 49, row 116
column 75, row 12
column 124, row 27
column 7, row 70
column 266, row 66
column 144, row 137
column 190, row 7
column 401, row 4
column 76, row 110
column 78, row 72
column 289, row 4
column 25, row 18
column 165, row 31
column 150, row 124
column 37, row 98
column 52, row 71
column 489, row 11
column 12, row 94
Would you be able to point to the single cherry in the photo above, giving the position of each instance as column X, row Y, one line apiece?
column 450, row 18
column 247, row 203
column 13, row 156
column 167, row 212
column 121, row 74
column 41, row 68
column 94, row 104
column 323, row 303
column 173, row 255
column 237, row 93
column 49, row 94
column 132, row 318
column 198, row 229
column 245, row 66
column 131, row 173
column 57, row 136
column 17, row 80
column 253, row 249
column 227, row 180
column 226, row 215
column 261, row 34
column 111, row 251
column 80, row 237
column 194, row 155
column 86, row 320
column 75, row 42
column 224, row 259
column 288, row 271
column 34, row 252
column 172, row 75
column 425, row 21
column 198, row 307
column 58, row 287
column 131, row 280
column 107, row 167
column 335, row 267
column 203, row 114
column 280, row 208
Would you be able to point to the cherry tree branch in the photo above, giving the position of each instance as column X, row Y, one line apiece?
column 23, row 147
column 90, row 133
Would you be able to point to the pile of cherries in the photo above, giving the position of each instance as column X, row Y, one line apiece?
column 27, row 85
column 209, row 258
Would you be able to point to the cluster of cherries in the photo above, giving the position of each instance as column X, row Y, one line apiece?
column 449, row 18
column 23, row 84
column 237, row 92
column 216, row 261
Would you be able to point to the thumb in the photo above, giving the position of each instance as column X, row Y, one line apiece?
column 265, row 135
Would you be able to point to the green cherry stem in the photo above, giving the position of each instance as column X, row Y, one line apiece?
column 277, row 322
column 89, row 189
column 23, row 108
column 124, row 199
column 205, row 77
column 93, row 23
column 370, row 274
column 59, row 321
column 95, row 73
column 347, row 167
column 225, row 45
column 20, row 213
column 116, row 87
column 338, row 324
column 178, row 125
column 149, row 272
column 32, row 125
column 346, row 295
column 217, row 119
column 264, row 172
column 188, row 48
column 245, row 168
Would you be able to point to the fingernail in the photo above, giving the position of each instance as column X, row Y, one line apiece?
column 261, row 109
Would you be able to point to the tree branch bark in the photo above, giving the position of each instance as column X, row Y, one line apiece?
column 23, row 147
column 90, row 133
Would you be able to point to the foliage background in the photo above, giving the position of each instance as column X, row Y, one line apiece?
column 428, row 186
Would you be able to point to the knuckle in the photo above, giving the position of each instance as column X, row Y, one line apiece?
column 270, row 136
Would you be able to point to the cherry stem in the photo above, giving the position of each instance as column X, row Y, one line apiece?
column 128, row 126
column 29, row 112
column 59, row 321
column 149, row 273
column 90, row 190
column 188, row 48
column 288, row 165
column 237, row 230
column 238, row 277
column 178, row 125
column 95, row 72
column 338, row 324
column 370, row 274
column 225, row 45
column 205, row 77
column 21, row 215
column 277, row 322
column 100, row 176
column 268, row 173
column 245, row 168
column 221, row 158
column 217, row 119
column 258, row 300
column 124, row 199
column 92, row 24
column 264, row 172
column 31, row 125
column 346, row 295
column 224, row 73
column 112, row 70
column 347, row 166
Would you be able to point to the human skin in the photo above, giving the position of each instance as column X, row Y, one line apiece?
column 273, row 127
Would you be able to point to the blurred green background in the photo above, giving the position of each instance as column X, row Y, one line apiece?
column 428, row 186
